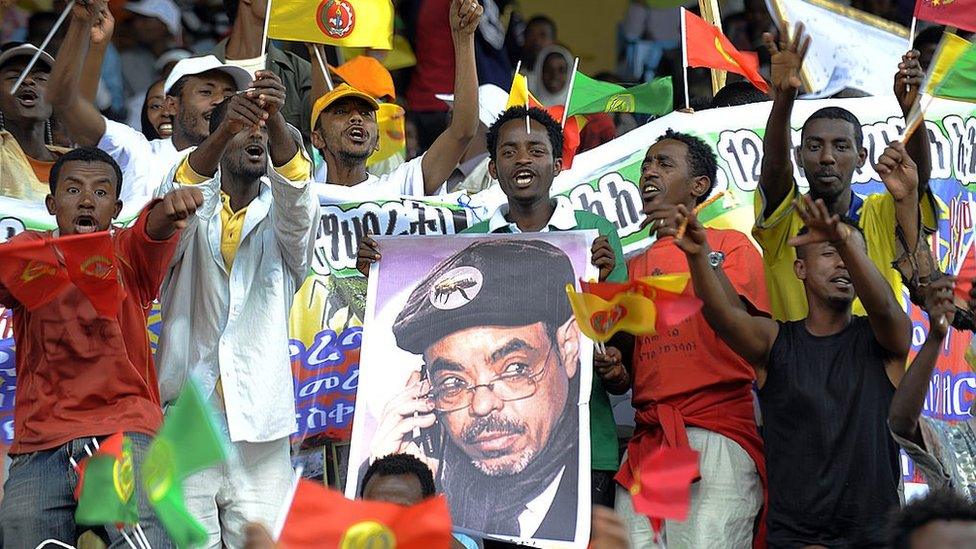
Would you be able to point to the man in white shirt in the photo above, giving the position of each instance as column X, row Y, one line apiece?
column 344, row 124
column 193, row 89
column 227, row 296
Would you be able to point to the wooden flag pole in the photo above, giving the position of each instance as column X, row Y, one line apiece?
column 710, row 12
column 569, row 93
column 684, row 55
column 918, row 120
column 40, row 50
column 325, row 70
column 684, row 224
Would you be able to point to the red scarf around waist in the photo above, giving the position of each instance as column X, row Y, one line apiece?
column 728, row 412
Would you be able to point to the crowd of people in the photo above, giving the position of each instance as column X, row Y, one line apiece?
column 794, row 383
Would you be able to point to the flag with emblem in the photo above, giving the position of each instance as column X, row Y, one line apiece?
column 638, row 307
column 188, row 441
column 955, row 13
column 36, row 269
column 347, row 23
column 705, row 46
column 106, row 485
column 392, row 132
column 592, row 96
column 319, row 517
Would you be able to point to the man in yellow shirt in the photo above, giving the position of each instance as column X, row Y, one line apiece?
column 830, row 152
column 227, row 297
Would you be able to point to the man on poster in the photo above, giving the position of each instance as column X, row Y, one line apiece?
column 494, row 410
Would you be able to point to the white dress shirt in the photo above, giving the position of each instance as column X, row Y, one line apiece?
column 143, row 162
column 233, row 326
column 536, row 510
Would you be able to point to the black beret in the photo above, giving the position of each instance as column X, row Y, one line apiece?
column 505, row 282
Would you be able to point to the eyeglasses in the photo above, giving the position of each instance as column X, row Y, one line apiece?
column 507, row 387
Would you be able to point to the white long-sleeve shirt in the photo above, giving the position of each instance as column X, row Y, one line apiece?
column 233, row 326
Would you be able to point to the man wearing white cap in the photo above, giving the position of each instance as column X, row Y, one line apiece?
column 150, row 28
column 193, row 89
column 471, row 173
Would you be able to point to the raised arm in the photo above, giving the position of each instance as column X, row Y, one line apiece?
column 269, row 93
column 751, row 337
column 891, row 326
column 906, row 404
column 447, row 150
column 243, row 114
column 900, row 176
column 776, row 176
column 81, row 118
column 908, row 81
column 101, row 35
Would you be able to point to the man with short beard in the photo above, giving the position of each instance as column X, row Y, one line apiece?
column 495, row 402
column 193, row 89
column 227, row 297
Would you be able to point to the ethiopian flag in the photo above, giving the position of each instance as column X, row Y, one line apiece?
column 347, row 23
column 187, row 442
column 593, row 96
column 319, row 517
column 638, row 307
column 106, row 485
column 953, row 70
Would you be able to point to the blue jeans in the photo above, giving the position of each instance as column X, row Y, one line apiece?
column 38, row 501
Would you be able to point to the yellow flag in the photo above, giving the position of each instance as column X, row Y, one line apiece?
column 519, row 95
column 600, row 319
column 350, row 23
column 949, row 51
column 393, row 136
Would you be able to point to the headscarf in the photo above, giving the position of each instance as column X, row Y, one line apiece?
column 536, row 85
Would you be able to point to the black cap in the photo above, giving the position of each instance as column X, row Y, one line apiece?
column 503, row 282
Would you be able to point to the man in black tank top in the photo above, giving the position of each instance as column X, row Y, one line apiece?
column 825, row 382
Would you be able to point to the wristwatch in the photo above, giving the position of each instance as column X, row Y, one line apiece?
column 715, row 259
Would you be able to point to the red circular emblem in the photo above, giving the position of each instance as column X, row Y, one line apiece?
column 336, row 18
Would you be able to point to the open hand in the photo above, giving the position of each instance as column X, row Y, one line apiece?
column 267, row 91
column 786, row 60
column 103, row 28
column 908, row 80
column 821, row 226
column 602, row 256
column 367, row 254
column 409, row 410
column 940, row 305
column 898, row 172
column 465, row 16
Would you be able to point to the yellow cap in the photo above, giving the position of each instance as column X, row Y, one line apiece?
column 341, row 91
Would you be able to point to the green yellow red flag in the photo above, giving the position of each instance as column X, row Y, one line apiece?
column 348, row 23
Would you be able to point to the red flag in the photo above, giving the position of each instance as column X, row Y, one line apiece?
column 955, row 13
column 320, row 517
column 30, row 270
column 706, row 46
column 674, row 299
column 91, row 267
column 662, row 489
column 35, row 270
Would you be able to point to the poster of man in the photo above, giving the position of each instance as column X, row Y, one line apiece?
column 472, row 361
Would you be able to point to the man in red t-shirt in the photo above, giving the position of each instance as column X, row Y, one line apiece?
column 689, row 388
column 81, row 375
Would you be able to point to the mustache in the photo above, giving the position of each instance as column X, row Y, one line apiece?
column 494, row 424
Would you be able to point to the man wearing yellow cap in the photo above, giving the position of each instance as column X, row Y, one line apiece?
column 344, row 124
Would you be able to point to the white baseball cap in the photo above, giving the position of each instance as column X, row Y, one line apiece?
column 491, row 102
column 198, row 65
column 26, row 51
column 165, row 10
